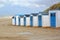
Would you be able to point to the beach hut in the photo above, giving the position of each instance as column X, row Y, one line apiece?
column 45, row 20
column 17, row 20
column 13, row 20
column 27, row 20
column 54, row 16
column 35, row 19
column 21, row 20
column 40, row 19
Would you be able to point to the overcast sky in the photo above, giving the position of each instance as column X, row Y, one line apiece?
column 12, row 7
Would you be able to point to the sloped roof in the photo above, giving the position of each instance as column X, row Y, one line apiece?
column 54, row 7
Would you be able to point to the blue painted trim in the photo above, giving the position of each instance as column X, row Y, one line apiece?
column 24, row 21
column 31, row 21
column 40, row 21
column 15, row 20
column 19, row 20
column 53, row 20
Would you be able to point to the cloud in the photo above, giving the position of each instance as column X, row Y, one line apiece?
column 3, row 1
column 30, row 3
column 1, row 5
column 25, row 3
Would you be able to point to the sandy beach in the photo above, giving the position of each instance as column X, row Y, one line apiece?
column 10, row 32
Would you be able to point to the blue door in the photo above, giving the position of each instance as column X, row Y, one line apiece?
column 40, row 21
column 53, row 19
column 19, row 21
column 31, row 21
column 24, row 21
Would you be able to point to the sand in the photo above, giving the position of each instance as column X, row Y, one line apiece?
column 10, row 32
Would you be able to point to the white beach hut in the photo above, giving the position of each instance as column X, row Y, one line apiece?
column 21, row 20
column 35, row 19
column 45, row 20
column 17, row 20
column 54, row 16
column 13, row 20
column 27, row 20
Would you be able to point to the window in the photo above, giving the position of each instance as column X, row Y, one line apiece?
column 53, row 14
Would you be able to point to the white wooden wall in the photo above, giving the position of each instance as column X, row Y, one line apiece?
column 13, row 21
column 17, row 20
column 22, row 21
column 35, row 20
column 58, row 19
column 45, row 21
column 27, row 21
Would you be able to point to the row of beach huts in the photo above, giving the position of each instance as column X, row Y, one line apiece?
column 41, row 19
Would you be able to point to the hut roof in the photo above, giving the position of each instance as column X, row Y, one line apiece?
column 34, row 14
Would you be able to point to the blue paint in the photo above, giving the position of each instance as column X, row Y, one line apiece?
column 14, row 20
column 40, row 21
column 53, row 19
column 24, row 21
column 19, row 21
column 31, row 21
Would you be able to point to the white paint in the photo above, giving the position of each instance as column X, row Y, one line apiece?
column 40, row 14
column 31, row 15
column 13, row 21
column 27, row 21
column 58, row 19
column 35, row 20
column 22, row 21
column 17, row 20
column 45, row 21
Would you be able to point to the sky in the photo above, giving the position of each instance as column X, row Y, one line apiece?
column 13, row 7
